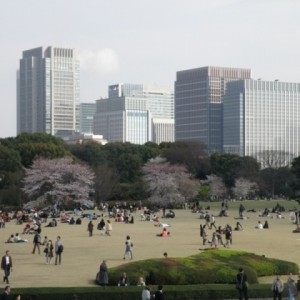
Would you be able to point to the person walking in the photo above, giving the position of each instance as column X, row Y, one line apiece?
column 90, row 228
column 103, row 275
column 6, row 266
column 128, row 248
column 36, row 242
column 277, row 288
column 59, row 247
column 108, row 228
column 49, row 252
column 204, row 235
column 242, row 284
column 291, row 287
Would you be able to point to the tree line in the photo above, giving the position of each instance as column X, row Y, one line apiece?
column 41, row 166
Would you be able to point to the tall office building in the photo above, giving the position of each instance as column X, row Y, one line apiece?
column 198, row 103
column 135, row 113
column 87, row 112
column 48, row 91
column 262, row 116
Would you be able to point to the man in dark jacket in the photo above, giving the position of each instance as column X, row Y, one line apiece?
column 242, row 284
column 159, row 294
column 6, row 266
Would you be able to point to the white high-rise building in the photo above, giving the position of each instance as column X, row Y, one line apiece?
column 136, row 113
column 48, row 91
column 262, row 117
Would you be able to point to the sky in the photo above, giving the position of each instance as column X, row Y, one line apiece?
column 148, row 41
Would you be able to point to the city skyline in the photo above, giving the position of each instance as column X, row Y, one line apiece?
column 148, row 42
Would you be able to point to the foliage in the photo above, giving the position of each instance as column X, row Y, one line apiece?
column 217, row 266
column 204, row 192
column 31, row 146
column 125, row 160
column 226, row 166
column 244, row 188
column 192, row 154
column 91, row 152
column 278, row 181
column 106, row 180
column 58, row 181
column 216, row 185
column 10, row 160
column 174, row 292
column 274, row 159
column 169, row 185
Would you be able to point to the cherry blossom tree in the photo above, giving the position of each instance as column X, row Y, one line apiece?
column 58, row 181
column 217, row 186
column 169, row 184
column 244, row 188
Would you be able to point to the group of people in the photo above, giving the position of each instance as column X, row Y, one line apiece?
column 277, row 287
column 293, row 287
column 102, row 279
column 58, row 248
column 259, row 225
column 217, row 236
column 16, row 239
column 105, row 228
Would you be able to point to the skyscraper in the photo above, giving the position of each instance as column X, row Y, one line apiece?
column 135, row 113
column 87, row 112
column 48, row 91
column 261, row 117
column 198, row 103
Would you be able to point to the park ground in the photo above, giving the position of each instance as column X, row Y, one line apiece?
column 83, row 254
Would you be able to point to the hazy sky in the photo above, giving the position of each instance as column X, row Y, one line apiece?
column 141, row 41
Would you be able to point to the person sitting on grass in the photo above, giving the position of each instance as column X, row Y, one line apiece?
column 266, row 225
column 238, row 226
column 165, row 233
column 11, row 239
column 18, row 239
column 259, row 225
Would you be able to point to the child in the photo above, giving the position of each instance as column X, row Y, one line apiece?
column 128, row 250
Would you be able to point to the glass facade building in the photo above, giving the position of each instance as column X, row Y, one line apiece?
column 198, row 104
column 262, row 116
column 128, row 114
column 48, row 91
column 87, row 112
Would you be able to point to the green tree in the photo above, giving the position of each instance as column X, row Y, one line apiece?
column 204, row 192
column 226, row 166
column 32, row 146
column 11, row 173
column 91, row 152
column 192, row 154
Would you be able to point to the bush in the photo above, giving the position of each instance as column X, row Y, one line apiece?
column 175, row 292
column 215, row 266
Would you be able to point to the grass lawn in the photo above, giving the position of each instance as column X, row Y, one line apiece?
column 83, row 254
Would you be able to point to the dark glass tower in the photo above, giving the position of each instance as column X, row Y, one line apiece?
column 198, row 103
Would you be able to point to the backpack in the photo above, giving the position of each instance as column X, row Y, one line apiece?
column 60, row 248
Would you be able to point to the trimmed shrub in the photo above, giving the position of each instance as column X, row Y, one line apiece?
column 218, row 266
